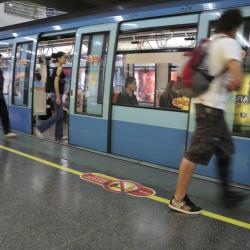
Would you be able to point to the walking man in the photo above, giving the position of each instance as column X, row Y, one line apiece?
column 212, row 135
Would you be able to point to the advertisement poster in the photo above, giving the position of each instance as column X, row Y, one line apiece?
column 146, row 84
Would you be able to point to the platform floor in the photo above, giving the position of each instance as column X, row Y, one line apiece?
column 43, row 207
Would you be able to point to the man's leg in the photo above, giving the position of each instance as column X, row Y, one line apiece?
column 181, row 202
column 224, row 153
column 224, row 172
column 185, row 175
column 59, row 121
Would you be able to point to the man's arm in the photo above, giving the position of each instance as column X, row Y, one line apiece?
column 56, row 85
column 235, row 69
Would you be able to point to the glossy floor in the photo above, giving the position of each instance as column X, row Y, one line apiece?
column 45, row 208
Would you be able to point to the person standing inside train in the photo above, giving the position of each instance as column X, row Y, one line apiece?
column 56, row 88
column 3, row 107
column 212, row 135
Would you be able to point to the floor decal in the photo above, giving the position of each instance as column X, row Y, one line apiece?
column 118, row 186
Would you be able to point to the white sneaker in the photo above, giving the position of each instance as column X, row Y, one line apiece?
column 11, row 135
column 38, row 134
column 64, row 138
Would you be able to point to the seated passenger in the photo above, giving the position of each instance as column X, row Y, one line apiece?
column 127, row 97
column 167, row 97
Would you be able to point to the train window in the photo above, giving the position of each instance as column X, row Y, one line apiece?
column 20, row 93
column 152, row 59
column 5, row 65
column 91, row 74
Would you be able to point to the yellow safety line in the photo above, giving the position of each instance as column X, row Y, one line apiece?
column 48, row 163
column 153, row 197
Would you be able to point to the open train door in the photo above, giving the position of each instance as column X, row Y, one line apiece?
column 91, row 86
column 20, row 108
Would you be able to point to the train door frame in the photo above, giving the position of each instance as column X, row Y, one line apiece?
column 21, row 115
column 87, row 130
column 47, row 35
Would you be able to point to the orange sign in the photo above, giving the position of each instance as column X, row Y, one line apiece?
column 181, row 102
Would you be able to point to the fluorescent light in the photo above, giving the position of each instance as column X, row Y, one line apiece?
column 57, row 27
column 118, row 18
column 210, row 6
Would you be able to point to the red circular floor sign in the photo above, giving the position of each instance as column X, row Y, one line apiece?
column 118, row 186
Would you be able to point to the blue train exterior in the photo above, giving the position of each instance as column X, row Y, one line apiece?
column 150, row 135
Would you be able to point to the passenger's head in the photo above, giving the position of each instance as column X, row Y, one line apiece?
column 1, row 58
column 38, row 77
column 59, row 57
column 229, row 22
column 130, row 84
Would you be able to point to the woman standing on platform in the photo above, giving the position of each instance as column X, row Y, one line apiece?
column 56, row 87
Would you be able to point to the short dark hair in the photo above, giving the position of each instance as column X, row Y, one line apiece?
column 57, row 55
column 1, row 55
column 230, row 20
column 129, row 80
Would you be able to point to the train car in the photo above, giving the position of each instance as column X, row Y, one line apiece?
column 103, row 49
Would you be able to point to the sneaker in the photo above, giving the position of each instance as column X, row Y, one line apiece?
column 11, row 135
column 38, row 133
column 232, row 199
column 185, row 206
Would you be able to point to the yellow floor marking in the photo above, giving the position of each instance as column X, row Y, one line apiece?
column 153, row 197
column 48, row 163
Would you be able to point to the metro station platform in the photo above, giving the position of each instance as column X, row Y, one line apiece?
column 58, row 197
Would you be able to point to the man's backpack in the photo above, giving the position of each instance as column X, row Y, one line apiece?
column 194, row 78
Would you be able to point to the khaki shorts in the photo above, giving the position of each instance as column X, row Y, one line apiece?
column 211, row 136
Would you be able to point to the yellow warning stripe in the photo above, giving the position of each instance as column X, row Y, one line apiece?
column 159, row 199
column 153, row 197
column 48, row 163
column 226, row 219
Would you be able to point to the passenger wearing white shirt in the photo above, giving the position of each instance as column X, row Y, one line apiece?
column 212, row 135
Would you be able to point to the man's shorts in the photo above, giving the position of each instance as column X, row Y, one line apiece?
column 210, row 137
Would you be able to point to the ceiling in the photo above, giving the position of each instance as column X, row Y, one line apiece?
column 76, row 6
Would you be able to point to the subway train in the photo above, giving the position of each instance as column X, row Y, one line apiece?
column 103, row 50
